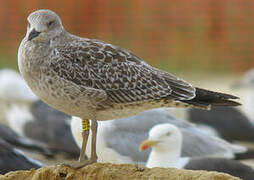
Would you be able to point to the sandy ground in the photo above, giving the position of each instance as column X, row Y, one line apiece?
column 110, row 172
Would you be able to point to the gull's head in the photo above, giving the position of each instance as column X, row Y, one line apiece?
column 43, row 25
column 162, row 137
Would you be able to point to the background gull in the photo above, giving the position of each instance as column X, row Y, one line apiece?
column 11, row 137
column 13, row 88
column 13, row 91
column 12, row 159
column 95, row 80
column 166, row 143
column 229, row 123
column 58, row 134
column 118, row 140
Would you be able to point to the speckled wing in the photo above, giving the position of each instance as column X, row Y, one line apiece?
column 122, row 75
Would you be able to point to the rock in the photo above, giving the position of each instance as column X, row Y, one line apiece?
column 108, row 171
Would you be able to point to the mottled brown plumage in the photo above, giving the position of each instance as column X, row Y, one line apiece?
column 95, row 80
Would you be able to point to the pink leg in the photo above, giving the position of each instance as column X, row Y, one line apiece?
column 82, row 156
column 94, row 137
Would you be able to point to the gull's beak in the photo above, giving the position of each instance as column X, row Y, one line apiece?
column 33, row 34
column 147, row 144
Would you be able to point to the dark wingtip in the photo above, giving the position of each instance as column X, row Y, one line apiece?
column 219, row 94
column 230, row 96
column 204, row 96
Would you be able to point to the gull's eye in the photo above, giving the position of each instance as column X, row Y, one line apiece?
column 50, row 23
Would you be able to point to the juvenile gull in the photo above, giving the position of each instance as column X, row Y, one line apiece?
column 166, row 142
column 95, row 80
column 118, row 141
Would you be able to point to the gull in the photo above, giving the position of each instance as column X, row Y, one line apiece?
column 95, row 80
column 14, row 139
column 12, row 159
column 166, row 143
column 227, row 122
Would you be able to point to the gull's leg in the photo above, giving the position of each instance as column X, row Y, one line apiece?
column 94, row 137
column 93, row 158
column 82, row 158
column 85, row 134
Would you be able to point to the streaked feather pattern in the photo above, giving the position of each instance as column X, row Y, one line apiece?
column 123, row 76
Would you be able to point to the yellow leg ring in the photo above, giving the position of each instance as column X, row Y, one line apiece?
column 85, row 125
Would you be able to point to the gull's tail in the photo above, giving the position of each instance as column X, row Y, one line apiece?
column 205, row 99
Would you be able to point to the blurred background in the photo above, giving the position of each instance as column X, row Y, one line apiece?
column 209, row 43
column 177, row 35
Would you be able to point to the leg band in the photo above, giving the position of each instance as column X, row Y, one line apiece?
column 85, row 125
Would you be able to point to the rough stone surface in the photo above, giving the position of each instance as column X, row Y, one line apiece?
column 108, row 171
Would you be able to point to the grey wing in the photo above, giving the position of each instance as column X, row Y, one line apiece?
column 52, row 127
column 12, row 159
column 126, row 143
column 122, row 75
column 197, row 143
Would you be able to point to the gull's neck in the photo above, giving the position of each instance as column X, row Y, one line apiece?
column 167, row 158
